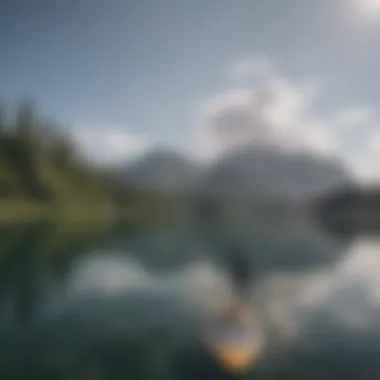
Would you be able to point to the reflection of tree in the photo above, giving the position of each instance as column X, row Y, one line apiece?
column 31, row 252
column 66, row 242
column 17, row 267
column 25, row 272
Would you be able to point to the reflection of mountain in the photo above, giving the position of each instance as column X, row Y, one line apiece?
column 257, row 172
column 284, row 247
column 271, row 247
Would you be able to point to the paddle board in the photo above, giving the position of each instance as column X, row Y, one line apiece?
column 234, row 338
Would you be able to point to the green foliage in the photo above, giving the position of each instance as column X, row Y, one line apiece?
column 41, row 173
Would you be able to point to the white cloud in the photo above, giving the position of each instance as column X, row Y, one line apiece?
column 365, row 161
column 109, row 144
column 277, row 111
column 272, row 113
column 256, row 65
column 355, row 116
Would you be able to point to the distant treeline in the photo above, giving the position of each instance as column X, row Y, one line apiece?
column 352, row 207
column 40, row 168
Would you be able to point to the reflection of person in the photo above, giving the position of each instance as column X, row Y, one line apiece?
column 241, row 270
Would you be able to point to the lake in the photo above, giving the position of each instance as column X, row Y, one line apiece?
column 117, row 302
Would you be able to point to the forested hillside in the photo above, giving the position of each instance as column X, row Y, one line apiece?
column 41, row 172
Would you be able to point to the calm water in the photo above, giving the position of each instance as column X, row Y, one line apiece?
column 81, row 302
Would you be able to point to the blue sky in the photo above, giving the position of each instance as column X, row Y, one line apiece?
column 145, row 71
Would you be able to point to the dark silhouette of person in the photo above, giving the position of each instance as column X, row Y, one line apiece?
column 241, row 269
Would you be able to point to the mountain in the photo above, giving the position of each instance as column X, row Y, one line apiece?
column 265, row 173
column 256, row 172
column 162, row 170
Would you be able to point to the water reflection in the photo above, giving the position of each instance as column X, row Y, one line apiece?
column 106, row 303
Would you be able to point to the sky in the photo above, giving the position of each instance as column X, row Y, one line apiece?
column 203, row 76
